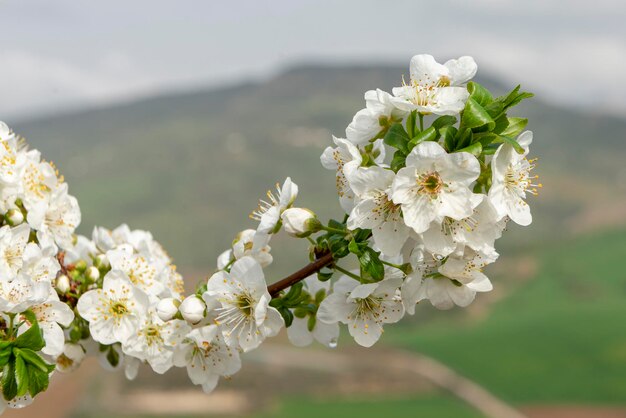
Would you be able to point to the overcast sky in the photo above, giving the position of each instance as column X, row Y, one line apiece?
column 60, row 54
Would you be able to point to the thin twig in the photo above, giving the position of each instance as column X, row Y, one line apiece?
column 301, row 274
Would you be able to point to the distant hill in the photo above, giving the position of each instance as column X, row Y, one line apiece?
column 190, row 166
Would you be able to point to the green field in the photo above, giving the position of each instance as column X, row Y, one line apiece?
column 424, row 406
column 558, row 339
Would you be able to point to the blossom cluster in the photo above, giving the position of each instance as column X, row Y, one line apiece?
column 428, row 177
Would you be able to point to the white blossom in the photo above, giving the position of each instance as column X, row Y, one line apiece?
column 255, row 244
column 244, row 313
column 51, row 315
column 435, row 184
column 269, row 211
column 512, row 180
column 155, row 341
column 446, row 281
column 375, row 209
column 368, row 123
column 363, row 307
column 114, row 312
column 207, row 357
column 436, row 88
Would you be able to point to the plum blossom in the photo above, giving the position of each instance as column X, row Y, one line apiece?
column 114, row 312
column 435, row 184
column 436, row 88
column 364, row 307
column 380, row 111
column 446, row 281
column 512, row 180
column 375, row 209
column 268, row 212
column 244, row 314
column 207, row 357
column 155, row 341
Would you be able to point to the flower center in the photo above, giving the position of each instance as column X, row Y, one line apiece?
column 245, row 303
column 153, row 334
column 385, row 208
column 518, row 179
column 118, row 309
column 430, row 183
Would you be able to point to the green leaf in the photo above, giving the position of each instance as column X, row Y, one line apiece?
column 9, row 384
column 429, row 134
column 355, row 248
column 34, row 359
column 310, row 325
column 464, row 138
column 32, row 338
column 449, row 137
column 479, row 93
column 21, row 376
column 398, row 161
column 513, row 143
column 410, row 124
column 515, row 127
column 37, row 381
column 6, row 349
column 371, row 264
column 494, row 109
column 475, row 149
column 442, row 121
column 514, row 97
column 397, row 137
column 474, row 116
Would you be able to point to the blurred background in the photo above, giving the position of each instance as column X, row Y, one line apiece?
column 177, row 116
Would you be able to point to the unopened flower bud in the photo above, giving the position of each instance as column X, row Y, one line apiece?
column 300, row 222
column 102, row 261
column 167, row 308
column 192, row 309
column 14, row 217
column 81, row 266
column 92, row 273
column 62, row 284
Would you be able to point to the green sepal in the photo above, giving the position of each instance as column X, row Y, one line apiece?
column 113, row 357
column 311, row 323
column 287, row 315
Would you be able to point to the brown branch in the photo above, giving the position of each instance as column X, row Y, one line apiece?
column 301, row 274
